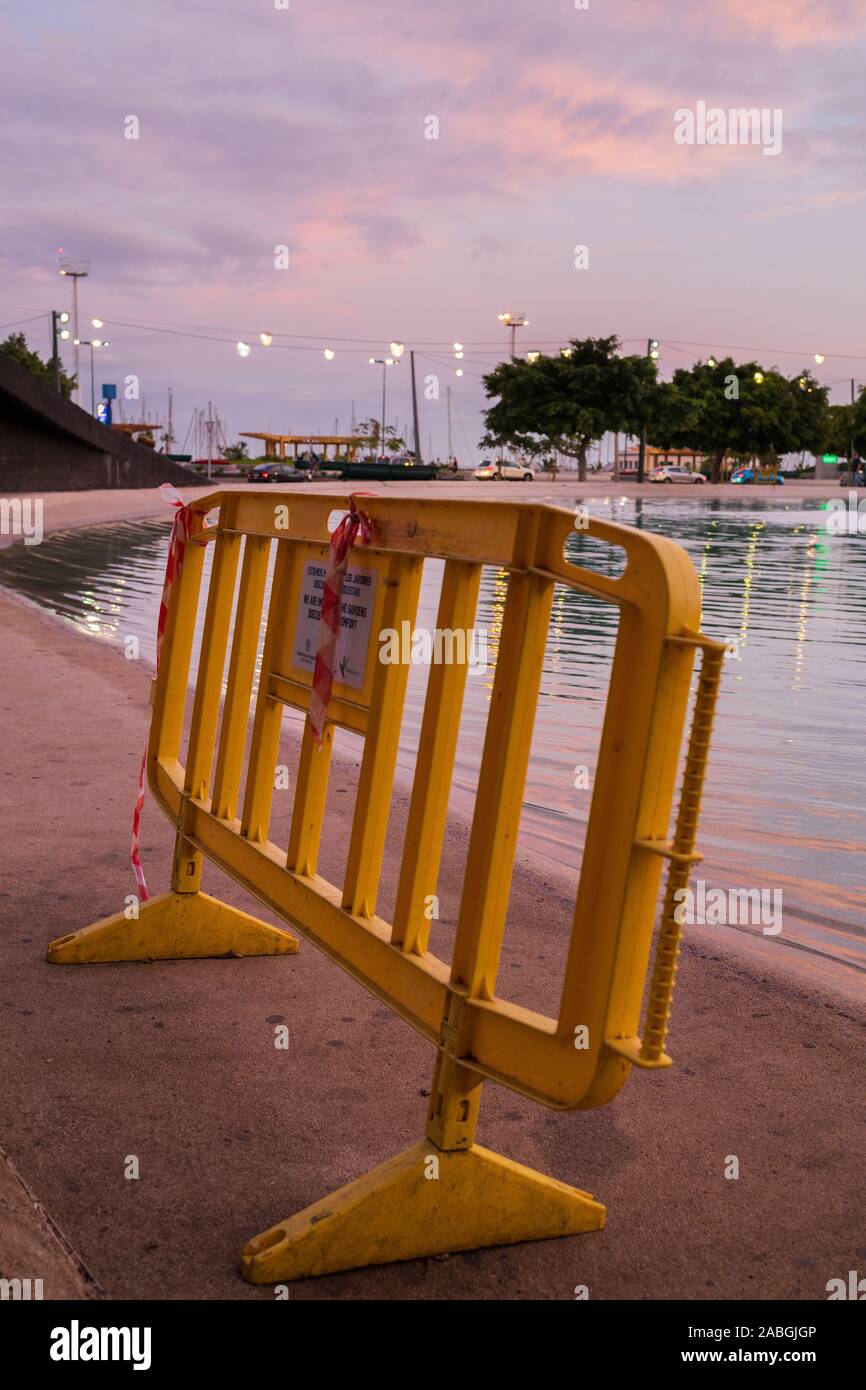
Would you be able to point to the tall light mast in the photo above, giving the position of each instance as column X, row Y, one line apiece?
column 75, row 271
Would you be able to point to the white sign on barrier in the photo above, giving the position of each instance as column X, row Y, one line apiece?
column 356, row 619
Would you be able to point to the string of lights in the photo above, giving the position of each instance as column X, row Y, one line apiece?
column 316, row 343
column 460, row 369
column 16, row 323
column 243, row 341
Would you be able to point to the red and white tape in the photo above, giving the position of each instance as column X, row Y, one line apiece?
column 356, row 528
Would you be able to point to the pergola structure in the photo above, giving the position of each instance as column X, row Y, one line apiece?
column 275, row 444
column 143, row 434
column 121, row 427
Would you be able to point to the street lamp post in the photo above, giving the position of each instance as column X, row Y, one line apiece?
column 514, row 321
column 57, row 316
column 397, row 351
column 75, row 271
column 652, row 352
column 384, row 363
column 91, row 343
column 415, row 431
column 851, row 439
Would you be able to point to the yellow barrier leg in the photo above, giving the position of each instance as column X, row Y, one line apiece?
column 423, row 1202
column 445, row 1194
column 173, row 926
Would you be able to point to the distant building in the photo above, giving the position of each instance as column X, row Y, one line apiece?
column 830, row 467
column 626, row 460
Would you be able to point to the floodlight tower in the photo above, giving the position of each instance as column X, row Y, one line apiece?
column 513, row 322
column 75, row 271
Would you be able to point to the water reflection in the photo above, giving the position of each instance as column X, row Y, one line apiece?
column 784, row 805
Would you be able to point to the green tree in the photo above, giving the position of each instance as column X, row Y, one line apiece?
column 741, row 408
column 235, row 453
column 858, row 424
column 15, row 346
column 563, row 404
column 371, row 430
column 838, row 430
column 845, row 431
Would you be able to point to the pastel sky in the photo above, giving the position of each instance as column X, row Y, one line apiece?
column 262, row 126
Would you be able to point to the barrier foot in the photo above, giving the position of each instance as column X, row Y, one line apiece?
column 173, row 926
column 398, row 1212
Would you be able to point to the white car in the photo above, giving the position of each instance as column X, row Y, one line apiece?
column 503, row 469
column 675, row 473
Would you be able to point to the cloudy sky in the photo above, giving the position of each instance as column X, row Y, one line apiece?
column 308, row 127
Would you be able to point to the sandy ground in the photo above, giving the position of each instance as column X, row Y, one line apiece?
column 67, row 509
column 32, row 1247
column 174, row 1062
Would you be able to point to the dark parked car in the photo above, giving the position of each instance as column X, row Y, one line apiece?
column 276, row 473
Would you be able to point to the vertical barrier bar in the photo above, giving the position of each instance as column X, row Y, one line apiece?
column 373, row 804
column 259, row 791
column 456, row 1091
column 309, row 808
column 187, row 861
column 495, row 823
column 428, row 811
column 212, row 659
column 170, row 697
column 171, row 683
column 240, row 683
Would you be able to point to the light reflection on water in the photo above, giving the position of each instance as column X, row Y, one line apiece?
column 784, row 802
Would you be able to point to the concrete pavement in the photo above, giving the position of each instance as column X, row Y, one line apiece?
column 67, row 509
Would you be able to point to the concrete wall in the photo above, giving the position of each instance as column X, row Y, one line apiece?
column 827, row 472
column 48, row 444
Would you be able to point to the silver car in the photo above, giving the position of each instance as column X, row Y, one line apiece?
column 503, row 469
column 675, row 473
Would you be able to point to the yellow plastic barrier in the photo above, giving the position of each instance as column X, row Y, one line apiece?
column 446, row 1193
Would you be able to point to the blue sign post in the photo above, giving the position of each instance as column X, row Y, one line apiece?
column 109, row 394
